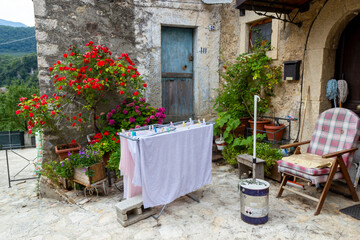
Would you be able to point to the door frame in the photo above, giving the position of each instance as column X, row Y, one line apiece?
column 194, row 62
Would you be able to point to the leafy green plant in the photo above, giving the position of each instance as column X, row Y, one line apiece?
column 245, row 146
column 251, row 74
column 225, row 124
column 48, row 170
column 64, row 168
column 114, row 161
column 85, row 158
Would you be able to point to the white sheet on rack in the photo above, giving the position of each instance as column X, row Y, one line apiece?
column 126, row 167
column 171, row 165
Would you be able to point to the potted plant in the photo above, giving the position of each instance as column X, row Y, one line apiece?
column 106, row 143
column 88, row 166
column 251, row 74
column 274, row 132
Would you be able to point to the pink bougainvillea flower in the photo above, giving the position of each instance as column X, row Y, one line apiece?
column 137, row 126
column 152, row 117
column 112, row 122
column 132, row 119
column 125, row 111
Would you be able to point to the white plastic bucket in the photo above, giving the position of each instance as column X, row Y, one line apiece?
column 254, row 201
column 220, row 144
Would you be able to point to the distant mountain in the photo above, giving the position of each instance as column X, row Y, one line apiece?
column 11, row 24
column 17, row 41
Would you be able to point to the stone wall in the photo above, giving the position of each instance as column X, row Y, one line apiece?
column 131, row 26
column 150, row 16
column 62, row 23
column 318, row 60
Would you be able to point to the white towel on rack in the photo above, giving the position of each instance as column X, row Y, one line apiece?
column 171, row 165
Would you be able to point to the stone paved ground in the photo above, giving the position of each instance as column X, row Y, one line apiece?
column 24, row 216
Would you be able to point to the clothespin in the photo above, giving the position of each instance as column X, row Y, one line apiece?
column 183, row 124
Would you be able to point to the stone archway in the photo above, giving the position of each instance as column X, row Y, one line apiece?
column 319, row 62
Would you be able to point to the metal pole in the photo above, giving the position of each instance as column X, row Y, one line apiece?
column 256, row 99
column 8, row 170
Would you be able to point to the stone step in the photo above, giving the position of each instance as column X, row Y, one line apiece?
column 131, row 211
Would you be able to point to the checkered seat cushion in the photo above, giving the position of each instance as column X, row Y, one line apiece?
column 336, row 129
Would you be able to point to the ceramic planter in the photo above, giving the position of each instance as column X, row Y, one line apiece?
column 274, row 132
column 64, row 149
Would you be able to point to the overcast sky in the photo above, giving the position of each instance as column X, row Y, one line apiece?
column 18, row 11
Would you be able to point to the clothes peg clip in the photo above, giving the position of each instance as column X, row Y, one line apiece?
column 204, row 120
column 155, row 129
column 183, row 124
column 171, row 124
column 199, row 121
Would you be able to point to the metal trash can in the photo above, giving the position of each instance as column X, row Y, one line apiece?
column 254, row 201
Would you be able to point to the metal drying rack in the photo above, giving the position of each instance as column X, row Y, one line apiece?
column 168, row 128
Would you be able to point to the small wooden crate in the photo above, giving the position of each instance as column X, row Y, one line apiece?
column 83, row 179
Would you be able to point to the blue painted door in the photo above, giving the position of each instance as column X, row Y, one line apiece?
column 177, row 72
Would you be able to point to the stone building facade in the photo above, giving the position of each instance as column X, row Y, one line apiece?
column 134, row 26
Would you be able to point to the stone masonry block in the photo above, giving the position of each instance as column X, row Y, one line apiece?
column 131, row 211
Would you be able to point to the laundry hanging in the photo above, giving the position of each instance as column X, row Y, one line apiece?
column 332, row 90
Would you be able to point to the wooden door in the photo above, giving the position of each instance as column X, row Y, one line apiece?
column 177, row 72
column 348, row 63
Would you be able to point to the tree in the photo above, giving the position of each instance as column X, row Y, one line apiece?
column 9, row 104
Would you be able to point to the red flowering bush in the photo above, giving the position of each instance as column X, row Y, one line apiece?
column 41, row 111
column 134, row 114
column 107, row 141
column 88, row 76
column 92, row 74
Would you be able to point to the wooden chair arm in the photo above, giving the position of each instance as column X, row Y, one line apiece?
column 294, row 144
column 339, row 153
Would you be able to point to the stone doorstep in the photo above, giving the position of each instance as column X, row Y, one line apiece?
column 131, row 211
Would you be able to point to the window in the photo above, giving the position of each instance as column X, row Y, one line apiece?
column 260, row 33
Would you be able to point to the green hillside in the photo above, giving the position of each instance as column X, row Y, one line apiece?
column 19, row 70
column 17, row 41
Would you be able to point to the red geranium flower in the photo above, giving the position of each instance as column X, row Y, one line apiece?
column 136, row 93
column 106, row 133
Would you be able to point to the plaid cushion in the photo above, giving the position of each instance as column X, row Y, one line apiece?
column 314, row 179
column 336, row 129
column 298, row 168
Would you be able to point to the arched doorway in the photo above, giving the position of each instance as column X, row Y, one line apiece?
column 348, row 62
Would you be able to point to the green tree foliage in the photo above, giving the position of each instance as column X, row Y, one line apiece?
column 8, row 105
column 22, row 70
column 10, row 44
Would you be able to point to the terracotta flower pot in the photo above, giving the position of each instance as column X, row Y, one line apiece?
column 260, row 123
column 245, row 120
column 64, row 149
column 274, row 133
column 240, row 130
